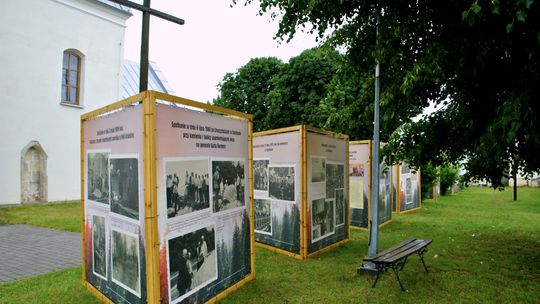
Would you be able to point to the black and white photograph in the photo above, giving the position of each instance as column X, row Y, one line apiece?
column 192, row 262
column 318, row 169
column 233, row 247
column 98, row 177
column 125, row 269
column 408, row 191
column 340, row 206
column 228, row 184
column 260, row 174
column 322, row 218
column 187, row 186
column 334, row 178
column 99, row 253
column 281, row 184
column 125, row 187
column 263, row 216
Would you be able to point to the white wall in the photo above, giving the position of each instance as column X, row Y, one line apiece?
column 34, row 35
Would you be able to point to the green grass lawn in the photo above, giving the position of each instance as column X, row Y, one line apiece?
column 60, row 215
column 486, row 249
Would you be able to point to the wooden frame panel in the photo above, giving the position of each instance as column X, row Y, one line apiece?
column 149, row 100
column 304, row 240
column 370, row 175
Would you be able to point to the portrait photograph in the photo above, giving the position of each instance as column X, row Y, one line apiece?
column 322, row 218
column 192, row 262
column 260, row 174
column 125, row 187
column 125, row 266
column 281, row 184
column 228, row 184
column 408, row 191
column 263, row 216
column 98, row 177
column 99, row 252
column 187, row 184
column 318, row 169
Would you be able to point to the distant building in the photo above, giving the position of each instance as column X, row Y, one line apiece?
column 60, row 59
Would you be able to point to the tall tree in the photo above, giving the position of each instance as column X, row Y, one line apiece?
column 282, row 94
column 477, row 59
column 300, row 88
column 248, row 88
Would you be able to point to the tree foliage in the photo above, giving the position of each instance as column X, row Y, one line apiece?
column 478, row 60
column 282, row 94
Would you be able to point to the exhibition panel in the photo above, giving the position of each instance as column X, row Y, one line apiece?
column 167, row 195
column 301, row 190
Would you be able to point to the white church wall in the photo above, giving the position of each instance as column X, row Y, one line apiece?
column 34, row 35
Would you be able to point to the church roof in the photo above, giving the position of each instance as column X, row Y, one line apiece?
column 130, row 79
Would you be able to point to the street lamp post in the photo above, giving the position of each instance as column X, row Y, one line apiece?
column 374, row 222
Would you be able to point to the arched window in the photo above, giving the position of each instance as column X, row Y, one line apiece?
column 33, row 173
column 71, row 78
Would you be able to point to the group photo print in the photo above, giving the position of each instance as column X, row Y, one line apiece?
column 282, row 183
column 187, row 186
column 228, row 184
column 192, row 262
column 125, row 187
column 263, row 216
column 335, row 178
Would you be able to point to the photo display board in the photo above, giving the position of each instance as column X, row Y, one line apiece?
column 327, row 192
column 394, row 197
column 301, row 190
column 385, row 193
column 203, row 203
column 277, row 179
column 409, row 188
column 359, row 181
column 360, row 186
column 113, row 205
column 167, row 195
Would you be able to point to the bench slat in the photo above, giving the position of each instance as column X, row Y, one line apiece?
column 418, row 246
column 388, row 251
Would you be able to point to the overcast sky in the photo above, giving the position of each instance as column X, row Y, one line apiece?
column 214, row 40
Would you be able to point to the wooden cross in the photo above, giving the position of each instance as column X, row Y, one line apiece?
column 145, row 38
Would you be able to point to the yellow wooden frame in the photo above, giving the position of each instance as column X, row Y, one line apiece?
column 87, row 117
column 399, row 190
column 370, row 145
column 304, row 240
column 149, row 101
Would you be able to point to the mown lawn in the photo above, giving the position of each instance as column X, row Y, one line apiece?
column 60, row 215
column 486, row 249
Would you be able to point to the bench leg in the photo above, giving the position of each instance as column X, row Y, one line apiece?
column 380, row 269
column 403, row 264
column 396, row 271
column 421, row 254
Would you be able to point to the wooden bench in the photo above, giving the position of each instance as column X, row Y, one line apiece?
column 396, row 257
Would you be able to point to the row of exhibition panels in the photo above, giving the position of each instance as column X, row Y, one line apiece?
column 176, row 193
